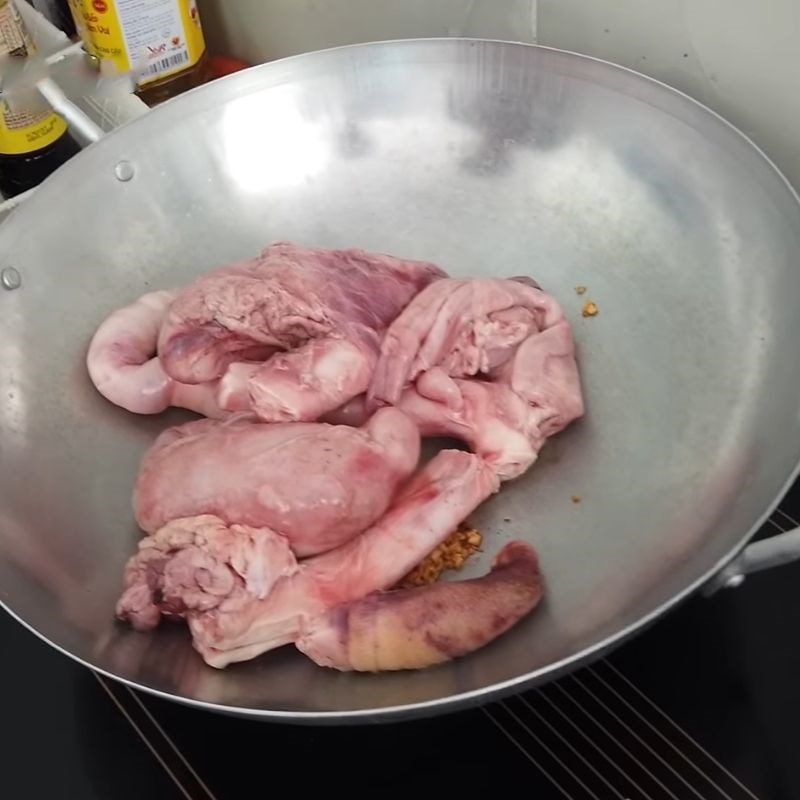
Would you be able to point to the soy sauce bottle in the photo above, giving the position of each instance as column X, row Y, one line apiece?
column 33, row 143
column 32, row 150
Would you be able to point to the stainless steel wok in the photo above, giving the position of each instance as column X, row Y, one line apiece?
column 489, row 158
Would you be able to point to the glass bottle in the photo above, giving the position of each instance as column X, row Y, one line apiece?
column 33, row 142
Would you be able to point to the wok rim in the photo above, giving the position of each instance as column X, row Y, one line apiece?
column 497, row 691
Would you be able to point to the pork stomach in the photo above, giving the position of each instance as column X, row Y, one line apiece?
column 317, row 484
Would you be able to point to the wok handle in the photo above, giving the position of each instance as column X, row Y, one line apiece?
column 780, row 549
column 81, row 124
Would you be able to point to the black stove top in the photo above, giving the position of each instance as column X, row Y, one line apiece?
column 704, row 704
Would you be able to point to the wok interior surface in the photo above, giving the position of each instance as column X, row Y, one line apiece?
column 491, row 159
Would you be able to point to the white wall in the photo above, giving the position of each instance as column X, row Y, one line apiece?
column 260, row 29
column 740, row 57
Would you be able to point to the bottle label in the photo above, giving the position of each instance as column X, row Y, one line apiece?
column 151, row 38
column 22, row 133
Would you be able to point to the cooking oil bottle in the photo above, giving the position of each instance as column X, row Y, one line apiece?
column 159, row 42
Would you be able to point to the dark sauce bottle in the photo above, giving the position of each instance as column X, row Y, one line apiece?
column 33, row 143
